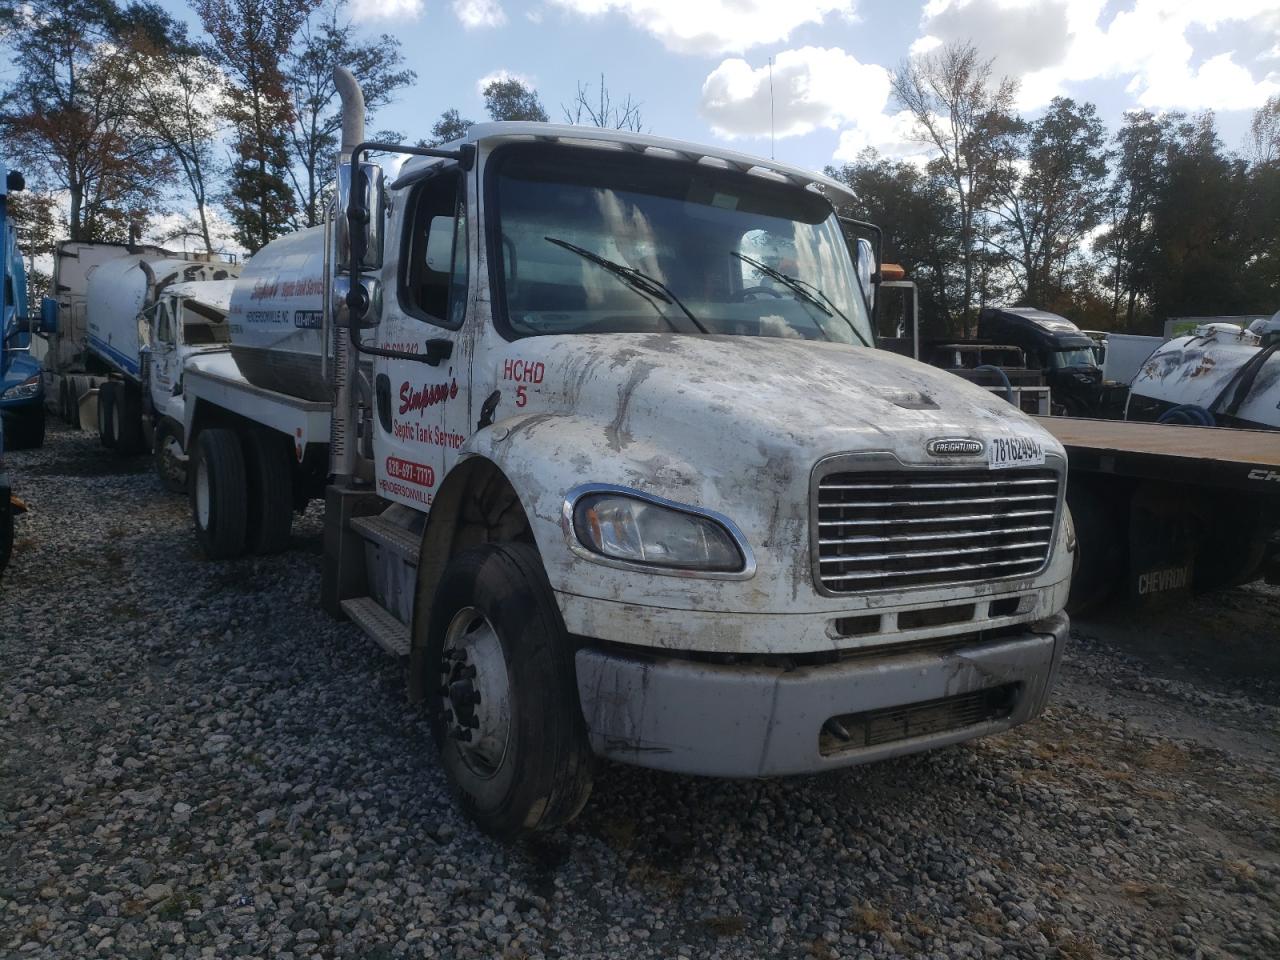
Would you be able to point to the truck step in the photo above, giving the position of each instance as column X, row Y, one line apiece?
column 371, row 617
column 392, row 536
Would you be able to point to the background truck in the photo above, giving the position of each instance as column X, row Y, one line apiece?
column 122, row 320
column 21, row 391
column 1161, row 509
column 1062, row 352
column 608, row 456
column 1222, row 375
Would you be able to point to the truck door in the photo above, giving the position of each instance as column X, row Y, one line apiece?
column 164, row 351
column 422, row 405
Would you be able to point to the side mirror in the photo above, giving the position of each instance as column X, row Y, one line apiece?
column 865, row 261
column 358, row 238
column 367, row 302
column 48, row 317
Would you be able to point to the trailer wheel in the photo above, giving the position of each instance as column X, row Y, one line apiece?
column 502, row 692
column 218, row 491
column 76, row 388
column 106, row 415
column 170, row 461
column 126, row 409
column 1101, row 538
column 270, row 476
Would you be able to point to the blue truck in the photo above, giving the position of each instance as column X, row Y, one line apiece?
column 21, row 386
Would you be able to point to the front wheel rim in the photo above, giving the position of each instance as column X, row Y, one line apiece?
column 475, row 688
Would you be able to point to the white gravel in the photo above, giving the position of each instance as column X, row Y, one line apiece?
column 196, row 762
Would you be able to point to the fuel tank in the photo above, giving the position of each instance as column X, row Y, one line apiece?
column 275, row 317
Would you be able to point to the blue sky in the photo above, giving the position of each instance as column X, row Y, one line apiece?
column 700, row 67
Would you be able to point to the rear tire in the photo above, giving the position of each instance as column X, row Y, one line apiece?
column 218, row 493
column 128, row 420
column 270, row 491
column 503, row 695
column 77, row 387
column 170, row 464
column 106, row 415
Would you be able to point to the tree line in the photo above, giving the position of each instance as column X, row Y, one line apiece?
column 1117, row 232
column 118, row 113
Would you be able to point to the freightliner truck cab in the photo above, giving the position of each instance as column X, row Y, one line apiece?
column 615, row 464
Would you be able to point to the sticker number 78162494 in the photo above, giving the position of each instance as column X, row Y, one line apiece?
column 1008, row 452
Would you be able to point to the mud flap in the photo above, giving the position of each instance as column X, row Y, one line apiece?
column 1163, row 528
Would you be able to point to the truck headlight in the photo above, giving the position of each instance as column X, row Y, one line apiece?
column 26, row 389
column 628, row 527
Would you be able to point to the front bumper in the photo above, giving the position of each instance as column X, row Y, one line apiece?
column 752, row 721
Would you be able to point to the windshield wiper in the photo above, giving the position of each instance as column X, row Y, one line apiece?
column 633, row 278
column 803, row 290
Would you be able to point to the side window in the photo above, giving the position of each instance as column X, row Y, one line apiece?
column 164, row 327
column 434, row 281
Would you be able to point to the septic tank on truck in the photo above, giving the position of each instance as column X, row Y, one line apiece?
column 123, row 320
column 21, row 390
column 608, row 456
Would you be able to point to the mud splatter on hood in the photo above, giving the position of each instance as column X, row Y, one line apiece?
column 813, row 398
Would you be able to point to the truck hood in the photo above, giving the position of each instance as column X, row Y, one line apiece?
column 783, row 400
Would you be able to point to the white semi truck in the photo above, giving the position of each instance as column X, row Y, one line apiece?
column 121, row 324
column 608, row 455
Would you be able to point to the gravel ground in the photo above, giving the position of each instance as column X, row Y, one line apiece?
column 196, row 762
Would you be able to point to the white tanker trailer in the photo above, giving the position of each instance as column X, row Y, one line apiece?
column 276, row 313
column 1222, row 376
column 123, row 322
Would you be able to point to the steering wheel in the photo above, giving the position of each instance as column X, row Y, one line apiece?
column 751, row 291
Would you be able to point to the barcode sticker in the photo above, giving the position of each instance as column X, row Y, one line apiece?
column 1006, row 452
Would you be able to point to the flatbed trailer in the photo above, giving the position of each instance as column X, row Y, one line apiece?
column 1163, row 508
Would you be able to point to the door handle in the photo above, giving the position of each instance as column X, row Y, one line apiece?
column 438, row 350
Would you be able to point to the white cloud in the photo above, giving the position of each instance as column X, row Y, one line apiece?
column 888, row 134
column 812, row 87
column 479, row 13
column 503, row 74
column 1051, row 43
column 387, row 9
column 715, row 26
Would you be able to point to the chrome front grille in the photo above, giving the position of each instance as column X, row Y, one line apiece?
column 879, row 530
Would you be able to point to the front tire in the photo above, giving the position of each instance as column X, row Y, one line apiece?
column 502, row 692
column 270, row 476
column 218, row 493
column 127, row 411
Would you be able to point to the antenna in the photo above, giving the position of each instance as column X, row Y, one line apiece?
column 771, row 137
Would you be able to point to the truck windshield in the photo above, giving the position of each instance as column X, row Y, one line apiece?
column 1080, row 357
column 593, row 242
